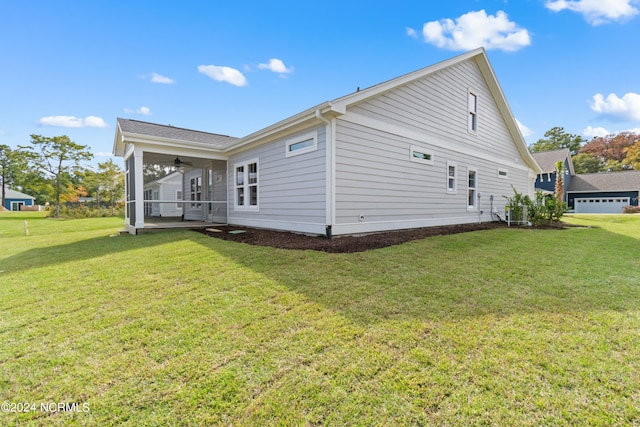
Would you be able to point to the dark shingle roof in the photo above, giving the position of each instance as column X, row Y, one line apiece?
column 607, row 181
column 172, row 132
column 547, row 159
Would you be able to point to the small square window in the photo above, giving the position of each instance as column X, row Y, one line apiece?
column 503, row 173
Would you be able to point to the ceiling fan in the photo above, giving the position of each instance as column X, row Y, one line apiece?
column 179, row 163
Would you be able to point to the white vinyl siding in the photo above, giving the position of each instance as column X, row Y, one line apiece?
column 375, row 180
column 437, row 106
column 291, row 189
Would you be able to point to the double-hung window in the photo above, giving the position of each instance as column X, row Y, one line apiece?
column 472, row 117
column 472, row 191
column 452, row 172
column 246, row 185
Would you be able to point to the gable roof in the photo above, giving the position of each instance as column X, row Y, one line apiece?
column 14, row 194
column 548, row 159
column 133, row 128
column 339, row 106
column 606, row 181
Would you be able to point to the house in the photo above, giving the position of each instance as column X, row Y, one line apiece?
column 166, row 193
column 605, row 192
column 546, row 180
column 437, row 146
column 14, row 200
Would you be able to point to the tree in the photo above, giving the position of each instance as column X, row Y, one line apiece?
column 106, row 184
column 587, row 163
column 559, row 188
column 612, row 149
column 632, row 155
column 556, row 139
column 12, row 166
column 56, row 157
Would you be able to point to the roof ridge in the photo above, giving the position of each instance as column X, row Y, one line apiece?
column 175, row 127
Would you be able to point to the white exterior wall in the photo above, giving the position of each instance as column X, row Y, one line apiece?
column 379, row 188
column 291, row 190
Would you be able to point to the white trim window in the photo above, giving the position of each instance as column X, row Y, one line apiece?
column 452, row 173
column 503, row 173
column 302, row 144
column 472, row 189
column 246, row 185
column 179, row 197
column 472, row 116
column 195, row 191
column 420, row 155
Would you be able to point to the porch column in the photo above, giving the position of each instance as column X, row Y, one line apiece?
column 139, row 187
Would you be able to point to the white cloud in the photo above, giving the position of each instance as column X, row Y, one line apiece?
column 597, row 12
column 625, row 108
column 276, row 65
column 73, row 122
column 223, row 74
column 525, row 131
column 591, row 132
column 475, row 29
column 145, row 111
column 158, row 78
column 412, row 33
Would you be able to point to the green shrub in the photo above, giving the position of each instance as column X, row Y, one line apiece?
column 544, row 210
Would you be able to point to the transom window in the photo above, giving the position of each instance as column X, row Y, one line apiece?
column 473, row 112
column 246, row 186
column 420, row 155
column 302, row 144
column 503, row 173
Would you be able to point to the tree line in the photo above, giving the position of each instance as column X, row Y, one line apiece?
column 611, row 153
column 50, row 169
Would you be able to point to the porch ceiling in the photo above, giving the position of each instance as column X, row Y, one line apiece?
column 168, row 160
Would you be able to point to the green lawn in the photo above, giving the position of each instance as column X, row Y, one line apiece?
column 508, row 327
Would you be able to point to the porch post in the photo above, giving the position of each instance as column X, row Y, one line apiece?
column 139, row 187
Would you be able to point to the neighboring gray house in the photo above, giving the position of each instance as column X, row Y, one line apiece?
column 438, row 146
column 14, row 200
column 166, row 193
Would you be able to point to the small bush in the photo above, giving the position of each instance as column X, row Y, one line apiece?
column 631, row 209
column 544, row 210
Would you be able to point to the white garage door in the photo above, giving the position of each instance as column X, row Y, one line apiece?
column 601, row 204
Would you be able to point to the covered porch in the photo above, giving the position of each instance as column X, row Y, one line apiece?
column 171, row 183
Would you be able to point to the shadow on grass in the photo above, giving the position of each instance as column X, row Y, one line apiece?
column 496, row 272
column 85, row 249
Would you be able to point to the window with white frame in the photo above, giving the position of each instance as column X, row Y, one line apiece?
column 472, row 100
column 302, row 144
column 421, row 155
column 472, row 190
column 195, row 190
column 452, row 171
column 503, row 173
column 179, row 197
column 246, row 185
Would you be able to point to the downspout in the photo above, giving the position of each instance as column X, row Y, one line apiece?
column 329, row 172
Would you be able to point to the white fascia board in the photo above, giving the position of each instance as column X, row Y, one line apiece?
column 283, row 127
column 118, row 142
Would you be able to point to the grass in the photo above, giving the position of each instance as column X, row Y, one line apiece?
column 498, row 327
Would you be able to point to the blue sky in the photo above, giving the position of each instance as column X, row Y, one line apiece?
column 72, row 67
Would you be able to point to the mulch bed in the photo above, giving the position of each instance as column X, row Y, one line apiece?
column 345, row 244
